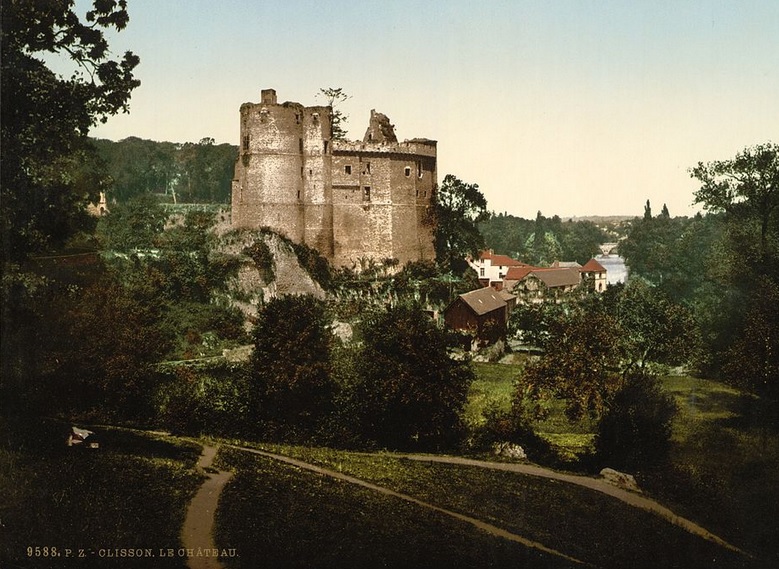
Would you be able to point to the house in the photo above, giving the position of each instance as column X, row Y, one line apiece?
column 492, row 268
column 534, row 284
column 593, row 270
column 482, row 312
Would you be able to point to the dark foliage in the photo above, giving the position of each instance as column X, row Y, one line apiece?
column 635, row 432
column 292, row 389
column 409, row 392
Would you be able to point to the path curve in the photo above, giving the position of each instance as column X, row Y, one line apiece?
column 489, row 528
column 197, row 532
column 630, row 498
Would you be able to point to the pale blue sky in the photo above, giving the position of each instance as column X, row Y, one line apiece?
column 568, row 107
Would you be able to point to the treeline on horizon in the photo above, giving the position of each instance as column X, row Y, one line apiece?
column 190, row 172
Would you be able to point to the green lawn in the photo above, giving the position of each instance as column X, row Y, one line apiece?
column 277, row 515
column 724, row 464
column 131, row 493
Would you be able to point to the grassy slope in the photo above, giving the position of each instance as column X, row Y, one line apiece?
column 131, row 493
column 278, row 500
column 724, row 470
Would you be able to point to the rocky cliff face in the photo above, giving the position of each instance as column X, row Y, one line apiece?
column 275, row 272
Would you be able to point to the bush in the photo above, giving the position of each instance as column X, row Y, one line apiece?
column 635, row 432
column 292, row 387
column 409, row 393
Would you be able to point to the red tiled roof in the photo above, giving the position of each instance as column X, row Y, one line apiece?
column 501, row 260
column 592, row 266
column 519, row 273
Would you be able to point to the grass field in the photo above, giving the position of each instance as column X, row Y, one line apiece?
column 129, row 494
column 724, row 464
column 285, row 513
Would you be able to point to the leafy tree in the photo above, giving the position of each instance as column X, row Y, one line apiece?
column 334, row 96
column 752, row 360
column 291, row 375
column 635, row 431
column 136, row 224
column 746, row 188
column 654, row 329
column 580, row 363
column 410, row 393
column 46, row 117
column 459, row 207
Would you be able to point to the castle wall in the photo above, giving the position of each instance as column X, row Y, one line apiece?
column 349, row 200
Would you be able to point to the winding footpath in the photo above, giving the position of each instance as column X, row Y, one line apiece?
column 198, row 526
column 198, row 530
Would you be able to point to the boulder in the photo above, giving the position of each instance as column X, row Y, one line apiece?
column 620, row 479
column 509, row 450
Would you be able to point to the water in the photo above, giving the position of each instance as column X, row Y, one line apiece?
column 616, row 271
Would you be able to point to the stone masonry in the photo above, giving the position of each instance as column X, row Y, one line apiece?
column 349, row 200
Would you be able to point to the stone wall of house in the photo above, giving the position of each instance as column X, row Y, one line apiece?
column 349, row 200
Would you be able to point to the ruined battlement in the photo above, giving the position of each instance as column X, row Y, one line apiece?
column 350, row 200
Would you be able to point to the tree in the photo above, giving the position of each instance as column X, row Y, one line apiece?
column 746, row 188
column 410, row 393
column 580, row 363
column 290, row 372
column 334, row 96
column 135, row 224
column 46, row 117
column 459, row 207
column 654, row 329
column 635, row 431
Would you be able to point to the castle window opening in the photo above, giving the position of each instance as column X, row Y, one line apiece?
column 348, row 169
column 419, row 169
column 366, row 193
column 246, row 142
column 367, row 168
column 326, row 141
column 300, row 143
column 408, row 171
column 298, row 194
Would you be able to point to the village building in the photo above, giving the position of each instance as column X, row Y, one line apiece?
column 483, row 313
column 492, row 268
column 534, row 284
column 594, row 271
column 349, row 200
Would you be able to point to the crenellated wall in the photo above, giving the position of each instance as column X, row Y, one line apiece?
column 349, row 200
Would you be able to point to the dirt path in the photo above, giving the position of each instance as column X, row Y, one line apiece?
column 489, row 528
column 197, row 532
column 630, row 498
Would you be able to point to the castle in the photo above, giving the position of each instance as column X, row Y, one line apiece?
column 349, row 200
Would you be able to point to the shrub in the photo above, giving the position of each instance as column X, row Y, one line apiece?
column 635, row 432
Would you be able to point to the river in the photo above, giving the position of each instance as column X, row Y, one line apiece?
column 616, row 271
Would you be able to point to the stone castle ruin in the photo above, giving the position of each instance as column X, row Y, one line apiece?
column 349, row 200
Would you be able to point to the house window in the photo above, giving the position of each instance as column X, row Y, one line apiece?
column 408, row 171
column 348, row 169
column 481, row 272
column 366, row 194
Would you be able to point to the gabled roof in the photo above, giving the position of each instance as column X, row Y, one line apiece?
column 519, row 273
column 553, row 278
column 593, row 266
column 483, row 300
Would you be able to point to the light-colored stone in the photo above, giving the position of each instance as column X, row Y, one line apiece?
column 620, row 479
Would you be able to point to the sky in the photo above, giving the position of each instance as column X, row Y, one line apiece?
column 568, row 107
